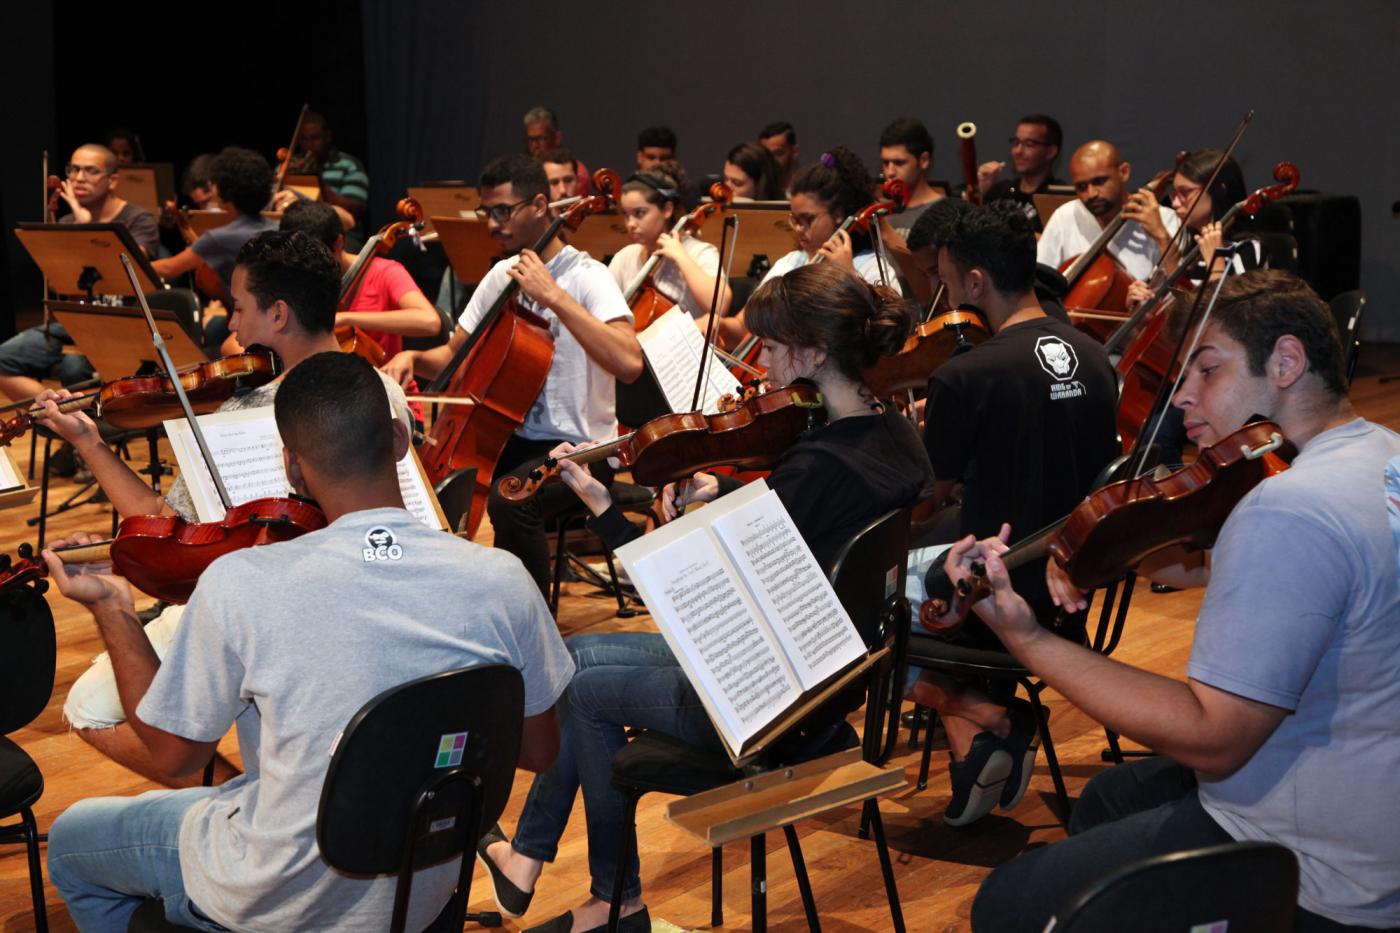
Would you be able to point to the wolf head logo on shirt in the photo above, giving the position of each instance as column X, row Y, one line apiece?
column 380, row 544
column 1057, row 357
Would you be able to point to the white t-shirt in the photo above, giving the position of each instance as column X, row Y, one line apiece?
column 667, row 276
column 577, row 401
column 1072, row 230
column 867, row 267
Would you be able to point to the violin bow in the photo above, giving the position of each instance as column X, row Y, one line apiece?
column 731, row 225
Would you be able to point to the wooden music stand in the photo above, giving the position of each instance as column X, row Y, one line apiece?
column 146, row 184
column 764, row 230
column 445, row 199
column 204, row 221
column 64, row 251
column 117, row 341
column 308, row 186
column 14, row 491
column 1046, row 204
column 601, row 235
column 469, row 246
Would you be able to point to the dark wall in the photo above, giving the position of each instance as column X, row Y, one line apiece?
column 450, row 81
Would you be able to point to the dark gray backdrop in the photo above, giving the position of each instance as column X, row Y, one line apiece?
column 448, row 83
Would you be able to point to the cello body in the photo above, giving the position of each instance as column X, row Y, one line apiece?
column 1101, row 289
column 500, row 378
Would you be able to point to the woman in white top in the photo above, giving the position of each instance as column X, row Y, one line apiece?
column 651, row 206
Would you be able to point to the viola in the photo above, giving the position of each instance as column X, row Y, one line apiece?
column 749, row 434
column 284, row 156
column 1116, row 527
column 354, row 339
column 139, row 402
column 1098, row 284
column 499, row 371
column 1149, row 358
column 641, row 295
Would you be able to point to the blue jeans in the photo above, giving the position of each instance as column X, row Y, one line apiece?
column 621, row 680
column 36, row 355
column 107, row 854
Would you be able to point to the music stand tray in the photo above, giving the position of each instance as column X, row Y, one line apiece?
column 469, row 246
column 63, row 251
column 308, row 186
column 117, row 340
column 1051, row 201
column 445, row 199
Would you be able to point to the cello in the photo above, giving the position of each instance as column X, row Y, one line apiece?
column 354, row 339
column 498, row 372
column 641, row 295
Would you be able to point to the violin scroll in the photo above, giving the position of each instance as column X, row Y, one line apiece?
column 409, row 209
column 608, row 183
column 897, row 191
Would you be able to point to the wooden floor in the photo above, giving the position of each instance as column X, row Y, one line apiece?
column 937, row 868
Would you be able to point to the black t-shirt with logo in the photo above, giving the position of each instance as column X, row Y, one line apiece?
column 1026, row 421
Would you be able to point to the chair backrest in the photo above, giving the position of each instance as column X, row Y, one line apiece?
column 868, row 576
column 27, row 655
column 184, row 303
column 640, row 401
column 1346, row 309
column 412, row 739
column 454, row 493
column 1245, row 887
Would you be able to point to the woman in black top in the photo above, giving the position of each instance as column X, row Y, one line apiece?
column 820, row 323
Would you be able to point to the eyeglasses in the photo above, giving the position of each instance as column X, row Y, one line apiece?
column 1018, row 142
column 1183, row 194
column 803, row 221
column 91, row 171
column 500, row 213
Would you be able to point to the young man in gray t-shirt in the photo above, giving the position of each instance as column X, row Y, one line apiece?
column 288, row 641
column 1291, row 688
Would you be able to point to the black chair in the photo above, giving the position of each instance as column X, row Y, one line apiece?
column 1346, row 309
column 26, row 683
column 454, row 494
column 437, row 799
column 653, row 762
column 1279, row 250
column 1251, row 887
column 630, row 498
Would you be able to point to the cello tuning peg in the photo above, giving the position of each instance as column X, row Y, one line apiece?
column 26, row 551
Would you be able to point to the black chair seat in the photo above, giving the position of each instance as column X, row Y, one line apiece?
column 21, row 782
column 927, row 651
column 150, row 918
column 649, row 764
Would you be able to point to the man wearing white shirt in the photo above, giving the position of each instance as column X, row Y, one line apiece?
column 1100, row 178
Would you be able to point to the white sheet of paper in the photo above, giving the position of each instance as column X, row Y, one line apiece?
column 247, row 449
column 673, row 346
column 9, row 475
column 690, row 584
column 796, row 597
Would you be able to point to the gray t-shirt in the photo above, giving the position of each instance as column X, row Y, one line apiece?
column 1303, row 613
column 178, row 498
column 139, row 222
column 219, row 247
column 292, row 670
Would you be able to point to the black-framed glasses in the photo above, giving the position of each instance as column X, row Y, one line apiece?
column 1015, row 141
column 91, row 171
column 501, row 213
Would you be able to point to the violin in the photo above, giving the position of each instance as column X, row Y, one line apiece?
column 751, row 433
column 646, row 302
column 354, row 339
column 967, row 132
column 1150, row 358
column 499, row 371
column 139, row 402
column 1098, row 284
column 1116, row 527
column 935, row 341
column 28, row 568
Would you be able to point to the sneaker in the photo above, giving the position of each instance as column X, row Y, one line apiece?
column 512, row 901
column 1022, row 744
column 977, row 780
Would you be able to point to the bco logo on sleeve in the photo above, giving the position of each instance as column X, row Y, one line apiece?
column 380, row 544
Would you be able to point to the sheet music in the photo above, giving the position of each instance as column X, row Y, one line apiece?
column 716, row 627
column 247, row 449
column 9, row 475
column 673, row 346
column 796, row 598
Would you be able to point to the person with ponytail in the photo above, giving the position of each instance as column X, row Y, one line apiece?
column 651, row 205
column 819, row 323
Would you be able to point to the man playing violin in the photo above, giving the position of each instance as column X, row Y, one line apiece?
column 1100, row 177
column 89, row 189
column 1291, row 684
column 1026, row 422
column 594, row 344
column 290, row 672
column 285, row 290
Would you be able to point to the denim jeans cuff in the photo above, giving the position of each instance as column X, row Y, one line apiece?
column 543, row 853
column 630, row 890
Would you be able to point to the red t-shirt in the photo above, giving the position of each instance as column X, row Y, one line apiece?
column 383, row 287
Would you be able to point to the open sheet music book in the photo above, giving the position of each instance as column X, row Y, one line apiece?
column 247, row 450
column 745, row 608
column 673, row 346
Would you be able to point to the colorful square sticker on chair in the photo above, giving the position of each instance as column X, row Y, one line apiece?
column 891, row 581
column 450, row 748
